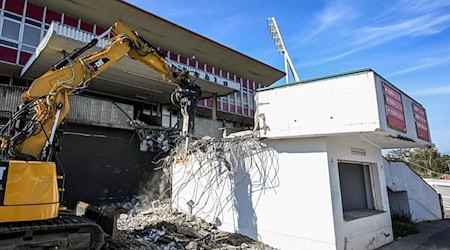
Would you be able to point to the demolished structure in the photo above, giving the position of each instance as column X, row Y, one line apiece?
column 98, row 138
column 312, row 176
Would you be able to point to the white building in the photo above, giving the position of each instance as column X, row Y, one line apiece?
column 331, row 193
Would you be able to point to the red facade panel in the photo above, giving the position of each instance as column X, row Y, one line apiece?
column 183, row 59
column 192, row 63
column 173, row 56
column 224, row 73
column 99, row 30
column 35, row 11
column 201, row 103
column 71, row 21
column 87, row 27
column 208, row 68
column 245, row 112
column 225, row 106
column 52, row 15
column 420, row 116
column 252, row 85
column 8, row 54
column 394, row 108
column 209, row 103
column 24, row 56
column 163, row 52
column 232, row 108
column 239, row 110
column 15, row 6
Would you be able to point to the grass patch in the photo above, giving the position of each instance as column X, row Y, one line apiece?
column 403, row 225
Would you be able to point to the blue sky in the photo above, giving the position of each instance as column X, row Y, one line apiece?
column 407, row 42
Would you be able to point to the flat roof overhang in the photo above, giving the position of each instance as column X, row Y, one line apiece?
column 128, row 78
column 167, row 35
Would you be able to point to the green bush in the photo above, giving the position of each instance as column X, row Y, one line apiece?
column 403, row 225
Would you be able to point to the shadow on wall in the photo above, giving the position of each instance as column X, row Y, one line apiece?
column 217, row 176
column 243, row 205
column 258, row 174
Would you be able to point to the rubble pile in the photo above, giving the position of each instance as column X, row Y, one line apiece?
column 154, row 225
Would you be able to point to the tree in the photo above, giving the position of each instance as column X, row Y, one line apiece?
column 424, row 161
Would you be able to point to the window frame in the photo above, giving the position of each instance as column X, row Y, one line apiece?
column 375, row 192
column 7, row 39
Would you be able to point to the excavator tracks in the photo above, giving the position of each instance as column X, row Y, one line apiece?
column 67, row 231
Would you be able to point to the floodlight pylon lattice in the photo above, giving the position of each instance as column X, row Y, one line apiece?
column 281, row 48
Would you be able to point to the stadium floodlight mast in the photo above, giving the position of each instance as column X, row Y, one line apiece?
column 281, row 48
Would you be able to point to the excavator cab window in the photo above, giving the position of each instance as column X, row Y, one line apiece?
column 2, row 176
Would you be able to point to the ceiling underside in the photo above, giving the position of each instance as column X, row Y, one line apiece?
column 127, row 78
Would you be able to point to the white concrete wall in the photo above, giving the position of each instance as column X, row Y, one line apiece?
column 305, row 210
column 352, row 103
column 297, row 214
column 423, row 200
column 337, row 105
column 368, row 232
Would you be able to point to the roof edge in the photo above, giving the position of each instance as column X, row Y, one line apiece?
column 353, row 72
column 201, row 36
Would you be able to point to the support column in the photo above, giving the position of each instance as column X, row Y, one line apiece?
column 214, row 106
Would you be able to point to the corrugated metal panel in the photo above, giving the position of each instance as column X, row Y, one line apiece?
column 90, row 111
column 83, row 110
column 9, row 98
column 75, row 34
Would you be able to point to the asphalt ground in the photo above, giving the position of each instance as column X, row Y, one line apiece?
column 432, row 235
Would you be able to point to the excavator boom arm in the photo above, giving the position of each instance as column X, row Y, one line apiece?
column 47, row 98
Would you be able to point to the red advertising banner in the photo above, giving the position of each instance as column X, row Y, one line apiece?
column 394, row 108
column 420, row 116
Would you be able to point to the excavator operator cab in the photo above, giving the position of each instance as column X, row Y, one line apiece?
column 2, row 178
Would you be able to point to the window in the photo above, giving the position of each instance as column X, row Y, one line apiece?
column 231, row 97
column 166, row 117
column 245, row 97
column 251, row 95
column 4, row 80
column 238, row 97
column 11, row 29
column 31, row 35
column 20, row 82
column 356, row 190
column 2, row 171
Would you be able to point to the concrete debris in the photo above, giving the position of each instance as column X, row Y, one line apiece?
column 154, row 225
column 209, row 167
column 154, row 138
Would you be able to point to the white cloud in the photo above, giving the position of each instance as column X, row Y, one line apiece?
column 427, row 63
column 334, row 13
column 434, row 91
column 371, row 36
column 421, row 6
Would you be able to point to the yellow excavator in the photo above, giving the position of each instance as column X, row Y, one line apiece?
column 31, row 214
